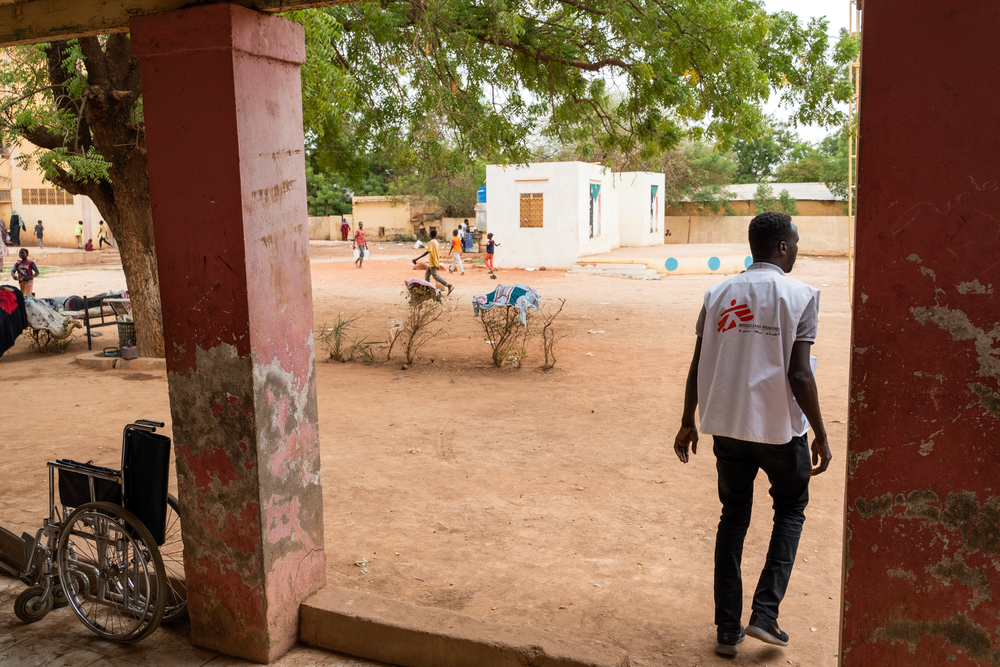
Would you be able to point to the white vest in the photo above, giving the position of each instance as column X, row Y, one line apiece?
column 751, row 322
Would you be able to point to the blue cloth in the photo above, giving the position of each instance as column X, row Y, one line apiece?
column 519, row 296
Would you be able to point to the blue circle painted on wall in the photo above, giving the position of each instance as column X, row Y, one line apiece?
column 714, row 263
column 747, row 262
column 671, row 264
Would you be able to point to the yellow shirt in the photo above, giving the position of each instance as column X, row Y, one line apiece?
column 103, row 233
column 433, row 261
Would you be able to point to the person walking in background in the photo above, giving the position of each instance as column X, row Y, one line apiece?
column 456, row 253
column 16, row 227
column 345, row 229
column 491, row 246
column 24, row 273
column 39, row 230
column 3, row 230
column 102, row 236
column 752, row 378
column 78, row 232
column 3, row 252
column 434, row 262
column 360, row 244
column 467, row 239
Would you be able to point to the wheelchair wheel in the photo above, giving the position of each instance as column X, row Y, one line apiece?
column 111, row 572
column 172, row 552
column 32, row 604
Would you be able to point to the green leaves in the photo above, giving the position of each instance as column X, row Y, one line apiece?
column 409, row 81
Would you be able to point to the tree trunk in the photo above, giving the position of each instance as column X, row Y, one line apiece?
column 132, row 224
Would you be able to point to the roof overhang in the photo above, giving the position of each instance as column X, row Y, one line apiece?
column 35, row 21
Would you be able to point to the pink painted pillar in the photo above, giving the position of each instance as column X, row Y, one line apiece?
column 922, row 559
column 223, row 111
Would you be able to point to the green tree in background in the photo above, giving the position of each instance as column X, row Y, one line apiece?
column 759, row 159
column 764, row 200
column 825, row 162
column 325, row 196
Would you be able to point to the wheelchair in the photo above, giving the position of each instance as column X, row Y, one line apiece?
column 111, row 546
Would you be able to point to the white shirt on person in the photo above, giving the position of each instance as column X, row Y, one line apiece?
column 748, row 325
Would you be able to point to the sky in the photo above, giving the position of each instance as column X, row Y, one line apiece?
column 838, row 14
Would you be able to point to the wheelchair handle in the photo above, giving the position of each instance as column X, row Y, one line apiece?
column 149, row 422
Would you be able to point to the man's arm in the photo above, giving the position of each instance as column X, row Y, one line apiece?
column 421, row 257
column 803, row 383
column 688, row 433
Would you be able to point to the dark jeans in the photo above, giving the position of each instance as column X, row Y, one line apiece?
column 787, row 467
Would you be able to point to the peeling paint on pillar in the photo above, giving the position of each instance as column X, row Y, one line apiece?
column 223, row 119
column 922, row 562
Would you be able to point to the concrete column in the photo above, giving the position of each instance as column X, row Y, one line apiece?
column 922, row 558
column 223, row 114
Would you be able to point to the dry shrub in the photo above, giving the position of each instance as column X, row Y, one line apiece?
column 43, row 341
column 505, row 334
column 420, row 326
column 550, row 336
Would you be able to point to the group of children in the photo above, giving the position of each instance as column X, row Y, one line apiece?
column 434, row 260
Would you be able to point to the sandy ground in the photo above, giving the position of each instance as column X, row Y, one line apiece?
column 527, row 498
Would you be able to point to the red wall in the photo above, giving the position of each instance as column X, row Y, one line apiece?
column 923, row 490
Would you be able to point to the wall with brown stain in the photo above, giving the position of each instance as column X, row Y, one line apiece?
column 922, row 559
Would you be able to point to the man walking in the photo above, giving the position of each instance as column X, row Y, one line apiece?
column 39, row 232
column 434, row 262
column 752, row 377
column 78, row 233
column 360, row 245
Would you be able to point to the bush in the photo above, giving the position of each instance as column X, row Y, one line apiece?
column 43, row 341
column 506, row 335
column 339, row 348
column 550, row 336
column 419, row 326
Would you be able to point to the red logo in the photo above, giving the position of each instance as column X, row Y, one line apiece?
column 729, row 317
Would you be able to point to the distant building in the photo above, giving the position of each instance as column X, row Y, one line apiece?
column 549, row 214
column 24, row 191
column 810, row 199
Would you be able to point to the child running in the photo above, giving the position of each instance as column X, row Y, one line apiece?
column 491, row 246
column 456, row 253
column 434, row 262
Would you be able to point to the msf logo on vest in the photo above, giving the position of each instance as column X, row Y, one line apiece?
column 741, row 312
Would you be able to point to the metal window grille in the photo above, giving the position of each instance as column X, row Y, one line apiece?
column 45, row 197
column 531, row 209
column 4, row 195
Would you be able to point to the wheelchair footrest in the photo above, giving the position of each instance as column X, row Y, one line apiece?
column 13, row 550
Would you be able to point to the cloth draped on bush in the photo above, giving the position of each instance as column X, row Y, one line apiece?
column 519, row 296
column 421, row 290
column 43, row 316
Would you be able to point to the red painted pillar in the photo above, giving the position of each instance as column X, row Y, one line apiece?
column 223, row 112
column 922, row 558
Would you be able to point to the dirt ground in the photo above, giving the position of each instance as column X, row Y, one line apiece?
column 528, row 498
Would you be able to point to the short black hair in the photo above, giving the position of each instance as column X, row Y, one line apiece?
column 434, row 233
column 454, row 232
column 766, row 231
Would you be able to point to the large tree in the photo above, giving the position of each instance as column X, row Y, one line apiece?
column 415, row 82
column 486, row 79
column 80, row 103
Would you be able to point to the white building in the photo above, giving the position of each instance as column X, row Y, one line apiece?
column 549, row 214
column 640, row 208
